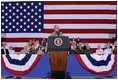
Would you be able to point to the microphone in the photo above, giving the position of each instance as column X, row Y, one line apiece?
column 58, row 33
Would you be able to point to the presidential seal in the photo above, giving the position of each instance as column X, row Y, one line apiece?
column 58, row 41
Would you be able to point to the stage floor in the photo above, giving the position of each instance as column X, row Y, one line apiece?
column 112, row 77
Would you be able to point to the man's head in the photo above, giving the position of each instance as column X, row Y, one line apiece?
column 56, row 28
column 4, row 45
column 78, row 39
column 115, row 42
column 11, row 48
column 99, row 47
column 88, row 47
column 108, row 46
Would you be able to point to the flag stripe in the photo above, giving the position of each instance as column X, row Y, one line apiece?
column 80, row 2
column 82, row 30
column 79, row 21
column 81, row 26
column 46, row 35
column 82, row 39
column 80, row 7
column 79, row 16
column 80, row 11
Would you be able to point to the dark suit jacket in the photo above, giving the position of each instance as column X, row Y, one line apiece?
column 2, row 51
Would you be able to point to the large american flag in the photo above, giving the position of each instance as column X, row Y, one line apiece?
column 92, row 21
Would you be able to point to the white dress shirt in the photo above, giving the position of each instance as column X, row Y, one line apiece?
column 4, row 50
column 11, row 51
column 107, row 51
column 99, row 51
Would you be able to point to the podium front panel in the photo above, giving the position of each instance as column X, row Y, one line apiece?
column 58, row 43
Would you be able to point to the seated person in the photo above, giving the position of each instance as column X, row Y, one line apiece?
column 73, row 50
column 81, row 51
column 78, row 40
column 99, row 50
column 4, row 50
column 25, row 50
column 36, row 44
column 32, row 50
column 108, row 49
column 108, row 43
column 39, row 51
column 45, row 50
column 114, row 45
column 28, row 46
column 73, row 41
column 83, row 45
column 88, row 50
column 114, row 48
column 31, row 42
column 11, row 51
column 79, row 44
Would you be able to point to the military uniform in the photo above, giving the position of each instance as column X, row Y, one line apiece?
column 73, row 51
column 81, row 51
column 32, row 51
column 88, row 51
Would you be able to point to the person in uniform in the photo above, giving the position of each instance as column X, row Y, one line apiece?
column 73, row 49
column 99, row 50
column 81, row 51
column 88, row 50
column 32, row 50
column 56, row 31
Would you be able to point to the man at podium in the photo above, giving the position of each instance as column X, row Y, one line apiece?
column 56, row 31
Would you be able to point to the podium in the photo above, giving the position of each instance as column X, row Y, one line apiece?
column 58, row 47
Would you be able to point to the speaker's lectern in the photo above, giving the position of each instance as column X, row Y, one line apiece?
column 58, row 47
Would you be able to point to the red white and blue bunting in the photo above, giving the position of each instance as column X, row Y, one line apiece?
column 19, row 64
column 99, row 64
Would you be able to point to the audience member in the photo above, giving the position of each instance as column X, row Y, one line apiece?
column 45, row 51
column 78, row 45
column 28, row 46
column 34, row 41
column 70, row 44
column 73, row 41
column 81, row 51
column 11, row 51
column 78, row 40
column 83, row 45
column 39, row 51
column 44, row 41
column 109, row 44
column 73, row 49
column 108, row 50
column 32, row 50
column 25, row 50
column 114, row 48
column 31, row 42
column 37, row 44
column 99, row 50
column 88, row 50
column 4, row 50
